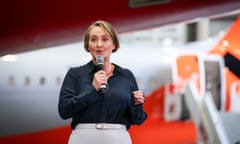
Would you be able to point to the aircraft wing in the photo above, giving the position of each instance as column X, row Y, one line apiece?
column 28, row 25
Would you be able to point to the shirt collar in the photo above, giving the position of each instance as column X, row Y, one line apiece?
column 91, row 68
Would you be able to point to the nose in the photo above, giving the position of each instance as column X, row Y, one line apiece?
column 99, row 43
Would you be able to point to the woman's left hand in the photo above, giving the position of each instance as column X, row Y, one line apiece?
column 138, row 97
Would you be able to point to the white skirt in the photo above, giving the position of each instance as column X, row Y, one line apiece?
column 101, row 133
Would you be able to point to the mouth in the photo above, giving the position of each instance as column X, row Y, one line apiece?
column 99, row 52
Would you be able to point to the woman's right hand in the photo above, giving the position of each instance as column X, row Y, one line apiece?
column 99, row 78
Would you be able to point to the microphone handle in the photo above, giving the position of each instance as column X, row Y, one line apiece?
column 103, row 86
column 100, row 62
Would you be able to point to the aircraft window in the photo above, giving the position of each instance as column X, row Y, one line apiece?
column 58, row 81
column 42, row 81
column 27, row 81
column 152, row 83
column 11, row 80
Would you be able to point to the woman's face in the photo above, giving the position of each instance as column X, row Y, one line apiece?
column 100, row 43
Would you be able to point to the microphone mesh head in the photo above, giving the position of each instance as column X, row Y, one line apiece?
column 99, row 60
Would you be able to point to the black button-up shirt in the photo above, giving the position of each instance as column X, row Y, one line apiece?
column 81, row 102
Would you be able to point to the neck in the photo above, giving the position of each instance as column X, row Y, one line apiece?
column 108, row 67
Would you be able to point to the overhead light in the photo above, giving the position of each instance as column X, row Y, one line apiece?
column 143, row 3
column 167, row 42
column 9, row 58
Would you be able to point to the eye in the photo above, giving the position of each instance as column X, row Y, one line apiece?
column 105, row 39
column 92, row 39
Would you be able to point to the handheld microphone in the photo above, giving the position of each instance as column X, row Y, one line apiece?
column 100, row 66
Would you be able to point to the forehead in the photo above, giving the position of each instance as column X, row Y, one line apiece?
column 98, row 31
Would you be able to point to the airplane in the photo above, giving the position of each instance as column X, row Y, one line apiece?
column 28, row 25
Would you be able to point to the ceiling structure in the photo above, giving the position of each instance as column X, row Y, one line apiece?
column 29, row 25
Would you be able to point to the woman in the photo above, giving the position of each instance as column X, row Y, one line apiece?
column 101, row 117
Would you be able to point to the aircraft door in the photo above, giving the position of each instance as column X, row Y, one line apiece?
column 213, row 79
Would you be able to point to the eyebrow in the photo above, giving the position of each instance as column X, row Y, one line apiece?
column 105, row 35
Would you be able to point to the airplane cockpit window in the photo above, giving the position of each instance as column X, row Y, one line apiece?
column 27, row 81
column 11, row 80
column 42, row 81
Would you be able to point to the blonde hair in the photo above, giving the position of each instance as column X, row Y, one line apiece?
column 108, row 28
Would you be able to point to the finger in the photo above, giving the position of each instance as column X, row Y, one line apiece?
column 139, row 92
column 139, row 97
column 101, row 72
column 139, row 101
